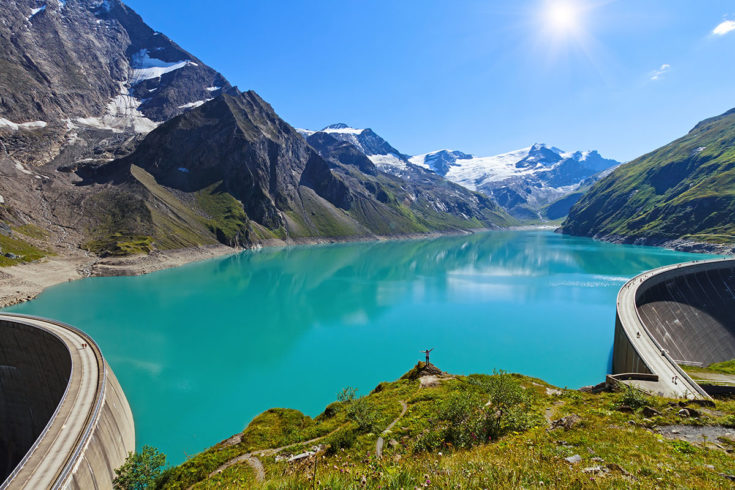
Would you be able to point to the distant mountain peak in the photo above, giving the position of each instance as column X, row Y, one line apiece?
column 342, row 128
column 379, row 151
column 522, row 181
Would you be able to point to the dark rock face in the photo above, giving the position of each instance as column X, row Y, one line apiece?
column 422, row 190
column 115, row 139
column 341, row 151
column 70, row 60
column 238, row 142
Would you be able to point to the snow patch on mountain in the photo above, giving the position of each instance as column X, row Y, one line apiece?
column 522, row 181
column 144, row 67
column 123, row 112
column 536, row 160
column 473, row 171
column 192, row 105
column 36, row 11
column 5, row 123
column 305, row 132
column 341, row 130
column 388, row 162
column 379, row 151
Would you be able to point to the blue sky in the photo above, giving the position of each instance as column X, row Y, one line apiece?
column 485, row 77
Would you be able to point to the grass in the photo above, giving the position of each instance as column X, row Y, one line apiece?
column 685, row 189
column 32, row 231
column 24, row 251
column 118, row 245
column 726, row 367
column 698, row 373
column 226, row 216
column 622, row 448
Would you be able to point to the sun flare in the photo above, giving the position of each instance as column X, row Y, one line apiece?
column 562, row 16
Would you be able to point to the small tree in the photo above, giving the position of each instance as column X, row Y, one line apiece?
column 140, row 470
column 347, row 395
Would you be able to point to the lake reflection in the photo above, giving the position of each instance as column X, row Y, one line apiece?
column 201, row 349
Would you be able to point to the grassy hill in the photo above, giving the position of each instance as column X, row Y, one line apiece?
column 478, row 431
column 684, row 190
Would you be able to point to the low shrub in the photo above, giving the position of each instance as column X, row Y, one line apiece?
column 633, row 398
column 343, row 439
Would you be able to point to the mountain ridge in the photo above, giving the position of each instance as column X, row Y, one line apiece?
column 524, row 182
column 679, row 195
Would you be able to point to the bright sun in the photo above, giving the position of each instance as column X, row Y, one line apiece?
column 562, row 16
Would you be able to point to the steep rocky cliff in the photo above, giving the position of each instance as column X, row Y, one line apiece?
column 115, row 139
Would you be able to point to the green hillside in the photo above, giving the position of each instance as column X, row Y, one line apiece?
column 478, row 431
column 685, row 189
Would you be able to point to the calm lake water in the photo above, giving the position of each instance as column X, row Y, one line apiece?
column 201, row 349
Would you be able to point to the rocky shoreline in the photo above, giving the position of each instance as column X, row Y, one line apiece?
column 679, row 244
column 24, row 282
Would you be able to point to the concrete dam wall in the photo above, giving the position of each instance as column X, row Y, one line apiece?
column 691, row 311
column 65, row 420
column 680, row 314
column 35, row 367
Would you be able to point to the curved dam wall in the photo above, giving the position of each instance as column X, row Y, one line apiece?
column 690, row 310
column 35, row 368
column 64, row 419
column 679, row 314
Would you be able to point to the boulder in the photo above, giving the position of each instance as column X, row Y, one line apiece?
column 573, row 459
column 650, row 412
column 567, row 422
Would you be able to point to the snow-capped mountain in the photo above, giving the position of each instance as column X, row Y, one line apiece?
column 522, row 181
column 379, row 151
column 95, row 64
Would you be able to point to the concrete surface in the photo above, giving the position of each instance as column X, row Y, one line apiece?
column 684, row 313
column 75, row 423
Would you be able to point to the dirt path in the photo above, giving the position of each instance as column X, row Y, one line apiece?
column 248, row 458
column 381, row 442
column 550, row 412
column 254, row 462
column 724, row 379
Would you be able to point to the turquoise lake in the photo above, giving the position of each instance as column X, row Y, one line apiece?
column 201, row 349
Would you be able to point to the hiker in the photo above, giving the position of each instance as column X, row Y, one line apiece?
column 427, row 355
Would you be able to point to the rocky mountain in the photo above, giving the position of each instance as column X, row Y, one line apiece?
column 379, row 151
column 246, row 175
column 538, row 182
column 524, row 182
column 75, row 67
column 678, row 195
column 115, row 139
column 434, row 202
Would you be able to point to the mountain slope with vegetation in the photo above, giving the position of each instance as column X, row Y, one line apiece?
column 680, row 194
column 434, row 430
column 116, row 141
column 232, row 171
